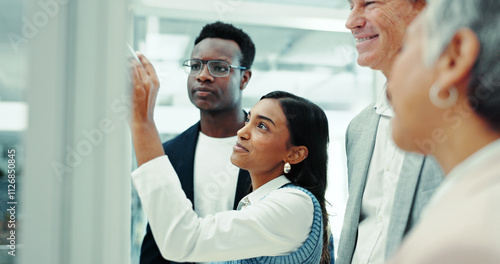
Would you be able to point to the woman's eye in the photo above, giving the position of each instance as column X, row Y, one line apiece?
column 262, row 126
column 247, row 120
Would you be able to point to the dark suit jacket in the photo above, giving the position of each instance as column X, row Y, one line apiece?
column 180, row 151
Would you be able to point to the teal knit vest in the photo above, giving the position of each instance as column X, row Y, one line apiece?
column 308, row 253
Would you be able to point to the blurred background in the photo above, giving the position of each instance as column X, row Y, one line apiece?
column 302, row 47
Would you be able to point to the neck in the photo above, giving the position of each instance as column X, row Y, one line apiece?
column 260, row 178
column 222, row 124
column 386, row 73
column 257, row 182
column 461, row 143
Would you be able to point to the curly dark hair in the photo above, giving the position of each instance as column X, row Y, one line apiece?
column 228, row 31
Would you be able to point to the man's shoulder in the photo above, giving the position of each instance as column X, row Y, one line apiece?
column 190, row 134
column 358, row 124
column 367, row 113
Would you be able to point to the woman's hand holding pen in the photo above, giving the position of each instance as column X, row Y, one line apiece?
column 145, row 85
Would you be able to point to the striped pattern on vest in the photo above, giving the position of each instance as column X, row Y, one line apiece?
column 308, row 253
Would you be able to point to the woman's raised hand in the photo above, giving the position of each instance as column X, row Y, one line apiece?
column 145, row 85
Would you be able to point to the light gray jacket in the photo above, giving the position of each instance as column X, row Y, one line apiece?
column 420, row 175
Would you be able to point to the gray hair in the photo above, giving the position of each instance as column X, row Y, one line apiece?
column 443, row 19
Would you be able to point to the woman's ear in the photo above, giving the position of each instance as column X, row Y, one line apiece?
column 456, row 62
column 297, row 154
column 247, row 74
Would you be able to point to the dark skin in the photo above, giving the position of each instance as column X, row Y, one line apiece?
column 145, row 136
column 223, row 124
column 263, row 143
column 218, row 98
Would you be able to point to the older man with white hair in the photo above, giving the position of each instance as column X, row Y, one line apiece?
column 387, row 187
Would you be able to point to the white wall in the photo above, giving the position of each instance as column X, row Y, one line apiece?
column 76, row 191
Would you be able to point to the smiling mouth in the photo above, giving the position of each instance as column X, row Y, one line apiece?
column 240, row 147
column 358, row 40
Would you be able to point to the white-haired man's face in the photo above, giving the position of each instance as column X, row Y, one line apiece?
column 379, row 28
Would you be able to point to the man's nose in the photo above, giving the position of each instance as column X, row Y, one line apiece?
column 204, row 74
column 355, row 19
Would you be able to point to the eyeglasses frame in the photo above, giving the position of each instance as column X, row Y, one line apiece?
column 205, row 62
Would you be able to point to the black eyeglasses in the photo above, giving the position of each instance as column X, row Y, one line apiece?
column 217, row 68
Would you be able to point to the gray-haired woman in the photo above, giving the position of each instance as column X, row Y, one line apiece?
column 445, row 90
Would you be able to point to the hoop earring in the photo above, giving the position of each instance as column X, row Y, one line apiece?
column 440, row 102
column 287, row 168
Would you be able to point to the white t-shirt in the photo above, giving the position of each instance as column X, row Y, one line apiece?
column 215, row 177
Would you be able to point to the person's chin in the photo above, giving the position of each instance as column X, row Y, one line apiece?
column 398, row 139
column 233, row 161
column 372, row 58
column 404, row 142
column 365, row 60
column 236, row 160
column 204, row 105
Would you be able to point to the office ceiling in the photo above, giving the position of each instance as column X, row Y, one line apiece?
column 302, row 46
column 337, row 4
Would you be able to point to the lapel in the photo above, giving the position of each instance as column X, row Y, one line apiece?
column 360, row 142
column 180, row 151
column 363, row 134
column 403, row 202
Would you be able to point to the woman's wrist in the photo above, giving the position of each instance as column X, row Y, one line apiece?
column 147, row 143
column 143, row 126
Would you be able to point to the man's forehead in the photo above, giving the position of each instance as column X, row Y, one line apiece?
column 222, row 47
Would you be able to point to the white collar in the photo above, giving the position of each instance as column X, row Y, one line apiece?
column 383, row 107
column 263, row 191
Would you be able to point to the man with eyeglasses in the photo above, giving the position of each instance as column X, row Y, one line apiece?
column 219, row 70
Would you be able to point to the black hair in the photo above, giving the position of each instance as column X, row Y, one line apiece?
column 227, row 31
column 308, row 126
